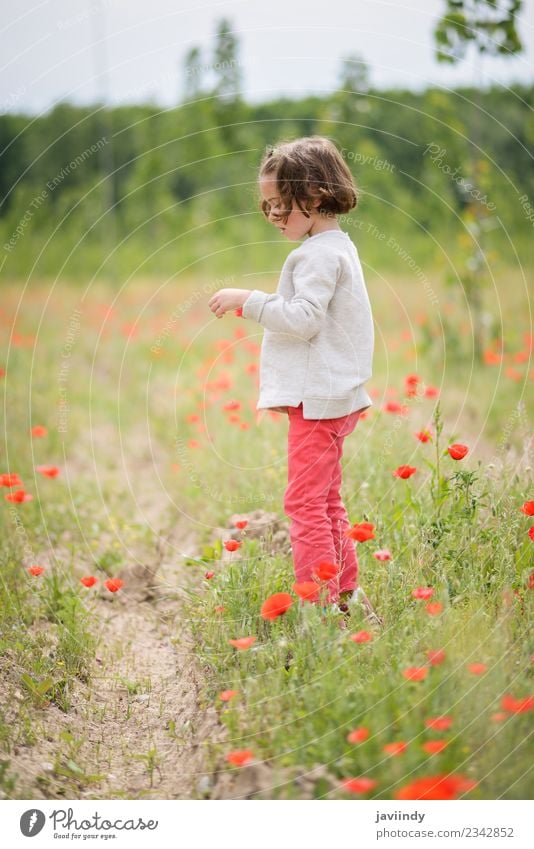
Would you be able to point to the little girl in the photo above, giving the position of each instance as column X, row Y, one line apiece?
column 317, row 349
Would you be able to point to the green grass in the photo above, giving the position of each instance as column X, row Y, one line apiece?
column 301, row 716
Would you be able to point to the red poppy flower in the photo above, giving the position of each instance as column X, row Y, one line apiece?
column 457, row 451
column 36, row 570
column 528, row 508
column 415, row 673
column 382, row 554
column 48, row 471
column 39, row 430
column 10, row 480
column 307, row 590
column 531, row 533
column 276, row 605
column 325, row 570
column 513, row 705
column 232, row 544
column 513, row 373
column 113, row 584
column 531, row 581
column 423, row 592
column 241, row 523
column 243, row 642
column 359, row 785
column 431, row 392
column 395, row 748
column 395, row 407
column 435, row 656
column 404, row 472
column 358, row 735
column 239, row 757
column 423, row 435
column 18, row 496
column 434, row 747
column 209, row 575
column 226, row 695
column 499, row 716
column 434, row 608
column 361, row 637
column 361, row 531
column 439, row 723
column 440, row 786
column 491, row 358
column 89, row 581
column 232, row 405
column 476, row 668
column 219, row 608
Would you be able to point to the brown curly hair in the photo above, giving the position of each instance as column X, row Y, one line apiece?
column 305, row 169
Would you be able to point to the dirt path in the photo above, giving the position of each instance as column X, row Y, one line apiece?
column 142, row 714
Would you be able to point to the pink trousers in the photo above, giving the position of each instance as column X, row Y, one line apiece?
column 313, row 499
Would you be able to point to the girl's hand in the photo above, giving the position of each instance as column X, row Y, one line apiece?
column 227, row 299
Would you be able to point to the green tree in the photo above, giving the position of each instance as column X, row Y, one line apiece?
column 226, row 64
column 491, row 28
column 350, row 97
column 193, row 73
column 354, row 74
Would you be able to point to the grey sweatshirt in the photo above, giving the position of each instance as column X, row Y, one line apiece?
column 319, row 336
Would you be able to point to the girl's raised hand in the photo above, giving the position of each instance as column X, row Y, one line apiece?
column 227, row 299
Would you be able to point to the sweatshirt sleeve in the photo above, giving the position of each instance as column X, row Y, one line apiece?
column 314, row 279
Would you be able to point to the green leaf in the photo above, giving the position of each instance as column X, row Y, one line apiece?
column 45, row 686
column 37, row 688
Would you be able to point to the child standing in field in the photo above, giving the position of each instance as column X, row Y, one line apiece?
column 317, row 349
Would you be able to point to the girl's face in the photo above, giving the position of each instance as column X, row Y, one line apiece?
column 296, row 226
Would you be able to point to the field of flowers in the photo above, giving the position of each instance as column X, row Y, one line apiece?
column 142, row 617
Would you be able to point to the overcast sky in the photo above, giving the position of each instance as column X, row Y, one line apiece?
column 125, row 51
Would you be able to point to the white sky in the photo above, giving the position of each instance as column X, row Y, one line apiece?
column 56, row 50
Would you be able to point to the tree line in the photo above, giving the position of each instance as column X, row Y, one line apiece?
column 140, row 188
